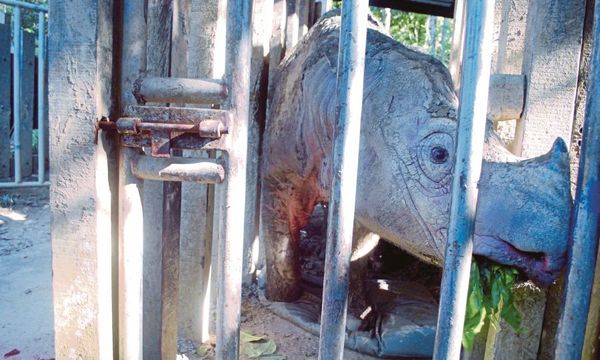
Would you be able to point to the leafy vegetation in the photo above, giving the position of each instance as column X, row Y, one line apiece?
column 490, row 300
column 412, row 29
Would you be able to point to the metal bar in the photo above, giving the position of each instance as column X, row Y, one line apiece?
column 21, row 4
column 177, row 169
column 471, row 131
column 233, row 192
column 11, row 185
column 585, row 224
column 208, row 128
column 131, row 219
column 177, row 115
column 41, row 97
column 5, row 100
column 26, row 98
column 170, row 268
column 326, row 5
column 432, row 34
column 350, row 75
column 17, row 57
column 387, row 19
column 458, row 36
column 179, row 90
column 443, row 51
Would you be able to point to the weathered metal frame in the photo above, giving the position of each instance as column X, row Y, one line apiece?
column 350, row 78
column 141, row 126
column 475, row 78
column 16, row 103
column 585, row 222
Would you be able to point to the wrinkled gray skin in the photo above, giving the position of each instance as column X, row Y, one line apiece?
column 407, row 146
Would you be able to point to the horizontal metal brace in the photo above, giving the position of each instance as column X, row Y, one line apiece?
column 185, row 141
column 177, row 115
column 180, row 90
column 132, row 126
column 178, row 169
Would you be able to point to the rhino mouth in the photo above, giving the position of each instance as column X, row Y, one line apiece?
column 537, row 266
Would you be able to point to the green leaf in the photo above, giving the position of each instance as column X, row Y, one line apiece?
column 203, row 350
column 247, row 337
column 255, row 350
column 490, row 300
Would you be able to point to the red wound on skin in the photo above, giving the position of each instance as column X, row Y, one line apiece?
column 13, row 352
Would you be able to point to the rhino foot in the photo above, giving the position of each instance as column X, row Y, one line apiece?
column 402, row 326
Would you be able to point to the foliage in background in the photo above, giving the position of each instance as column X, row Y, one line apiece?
column 29, row 18
column 490, row 300
column 412, row 30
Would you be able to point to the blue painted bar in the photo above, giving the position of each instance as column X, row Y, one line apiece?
column 350, row 77
column 17, row 58
column 585, row 222
column 41, row 98
column 22, row 4
column 475, row 78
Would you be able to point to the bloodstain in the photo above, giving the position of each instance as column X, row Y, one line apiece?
column 13, row 352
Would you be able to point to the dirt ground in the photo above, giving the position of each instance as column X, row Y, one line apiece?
column 26, row 317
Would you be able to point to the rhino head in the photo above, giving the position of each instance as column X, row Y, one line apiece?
column 409, row 143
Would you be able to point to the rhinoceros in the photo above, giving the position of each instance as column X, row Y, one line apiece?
column 406, row 160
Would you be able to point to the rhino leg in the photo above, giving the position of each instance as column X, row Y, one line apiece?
column 286, row 208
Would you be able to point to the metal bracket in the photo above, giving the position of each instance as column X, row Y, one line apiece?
column 165, row 128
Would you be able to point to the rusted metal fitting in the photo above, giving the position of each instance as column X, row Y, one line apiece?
column 212, row 129
column 128, row 126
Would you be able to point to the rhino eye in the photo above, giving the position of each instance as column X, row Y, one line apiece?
column 439, row 155
column 435, row 157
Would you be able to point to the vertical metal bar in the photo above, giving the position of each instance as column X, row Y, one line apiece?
column 431, row 33
column 17, row 57
column 585, row 224
column 387, row 19
column 170, row 268
column 456, row 53
column 326, row 5
column 443, row 49
column 26, row 99
column 471, row 130
column 41, row 97
column 5, row 100
column 350, row 77
column 131, row 220
column 233, row 191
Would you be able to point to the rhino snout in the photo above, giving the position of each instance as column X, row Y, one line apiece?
column 523, row 214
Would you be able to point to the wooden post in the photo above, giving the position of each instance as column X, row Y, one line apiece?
column 82, row 181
